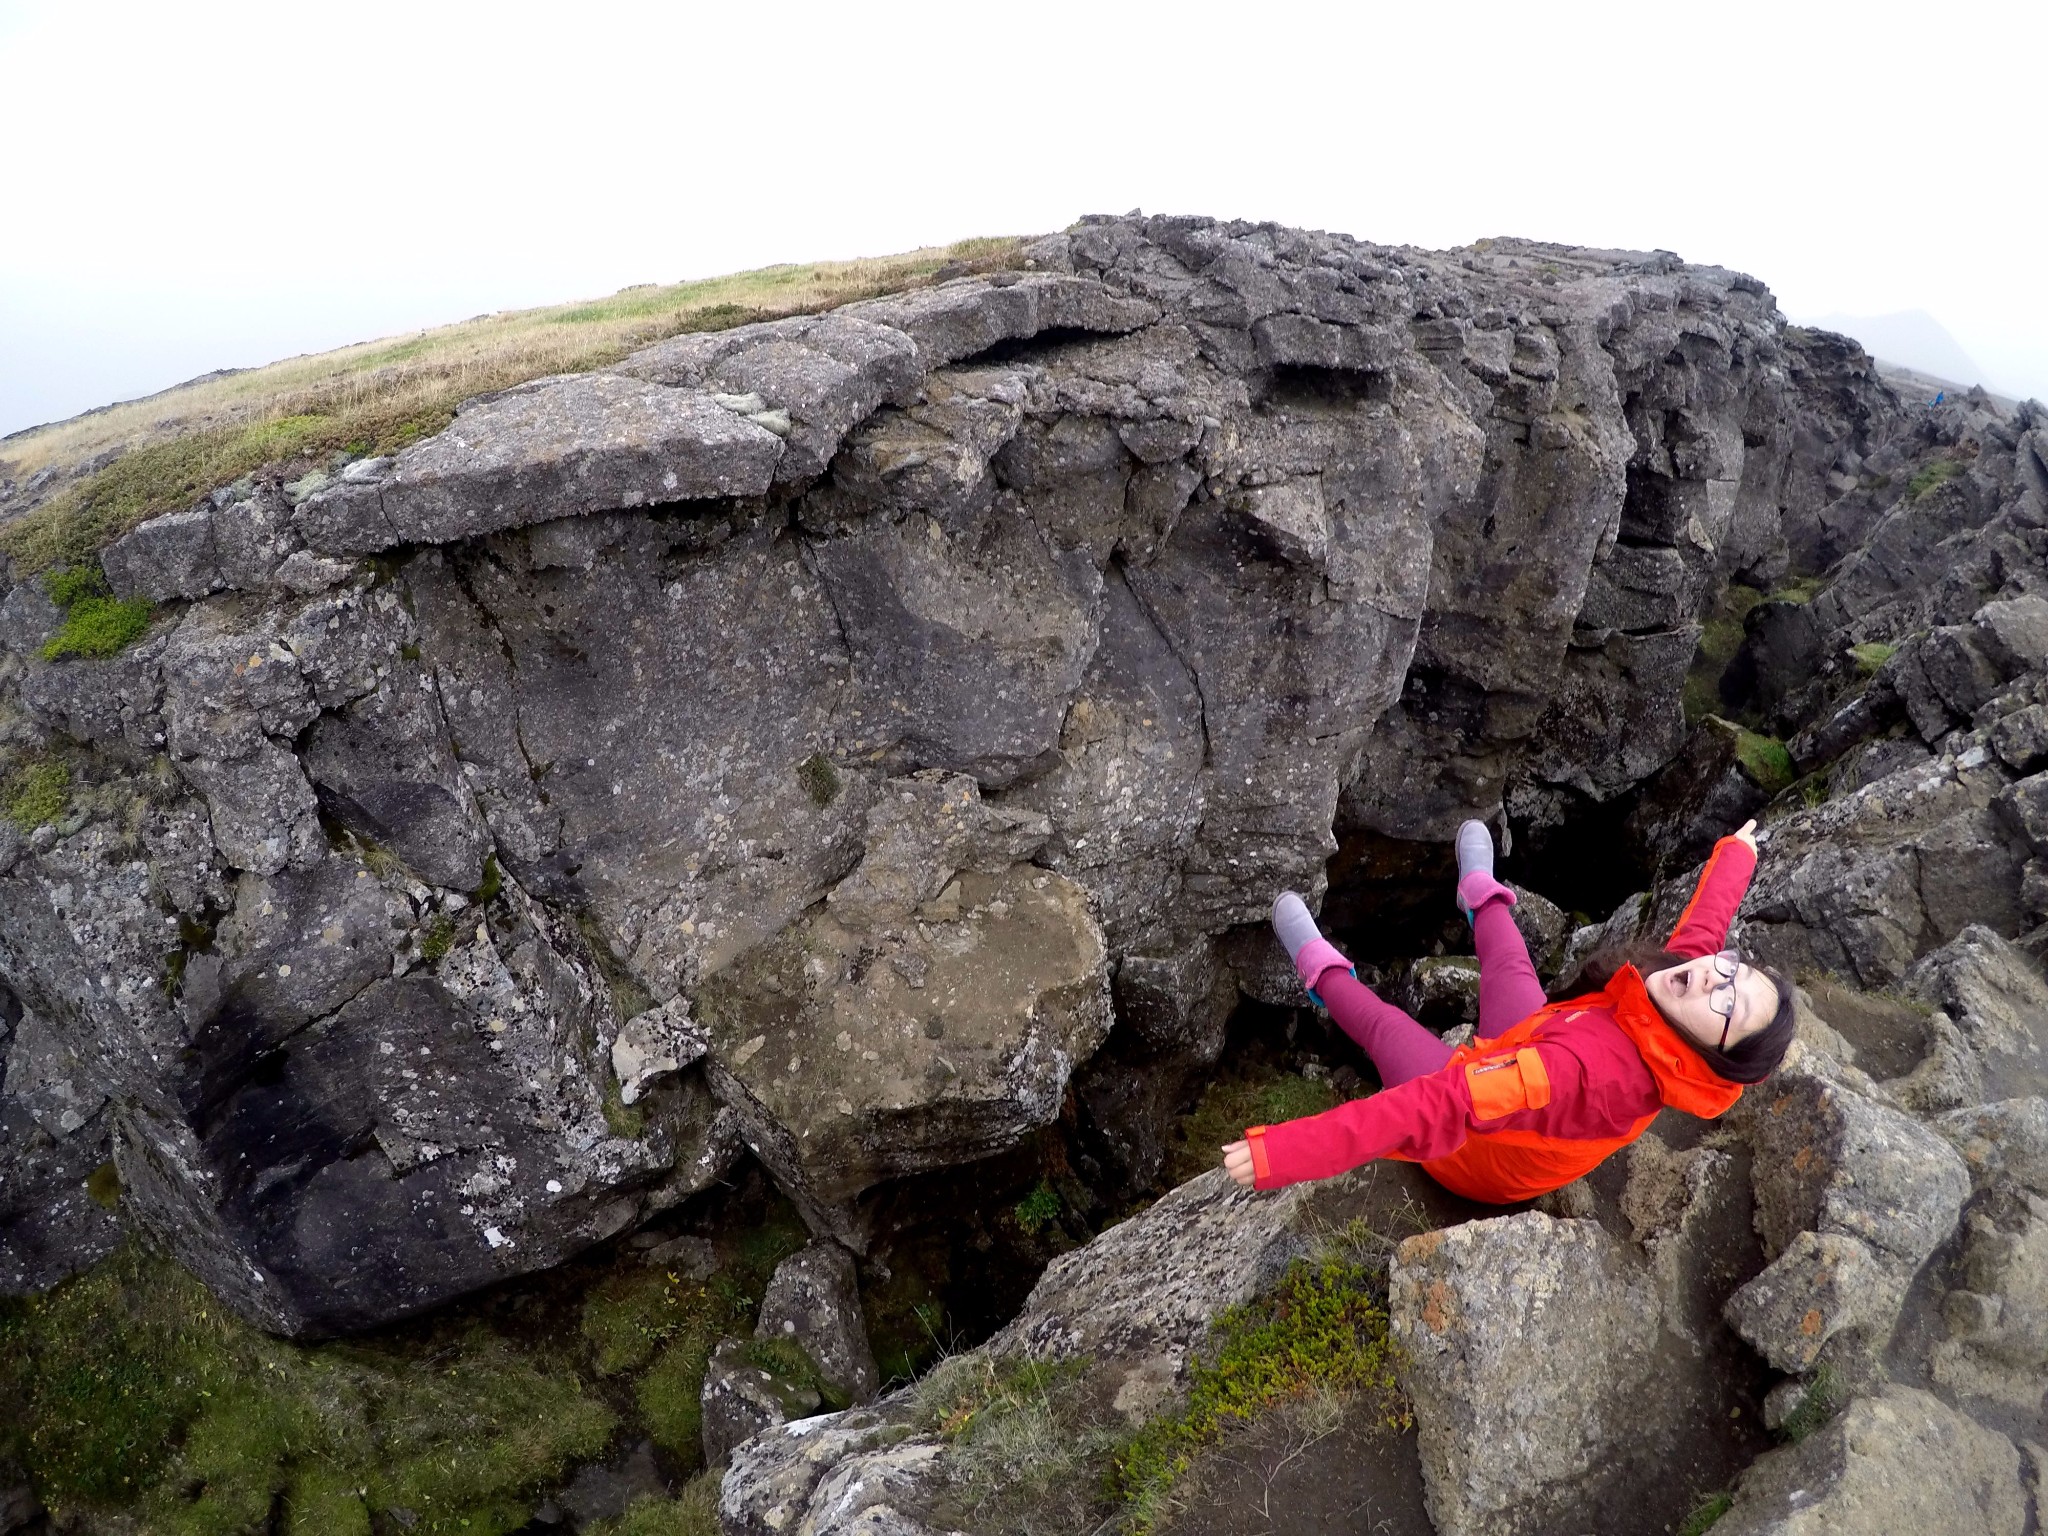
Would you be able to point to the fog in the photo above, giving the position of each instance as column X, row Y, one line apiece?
column 220, row 185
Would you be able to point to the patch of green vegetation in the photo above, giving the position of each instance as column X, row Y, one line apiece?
column 1766, row 760
column 660, row 1328
column 98, row 627
column 68, row 584
column 1710, row 1510
column 792, row 1364
column 380, row 399
column 438, row 939
column 819, row 779
column 625, row 1121
column 1932, row 476
column 494, row 882
column 1229, row 1105
column 1823, row 1400
column 1871, row 655
column 103, row 1184
column 692, row 1512
column 629, row 996
column 73, row 526
column 95, row 623
column 1323, row 1328
column 38, row 793
column 1802, row 590
column 132, row 1391
column 1721, row 633
column 1027, row 1442
column 1039, row 1209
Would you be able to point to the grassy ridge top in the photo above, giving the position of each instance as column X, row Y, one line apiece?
column 378, row 396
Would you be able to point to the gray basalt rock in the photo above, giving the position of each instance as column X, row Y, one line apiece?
column 1160, row 562
column 813, row 1301
column 1898, row 1460
column 853, row 1055
column 1851, row 1199
column 741, row 1399
column 552, row 448
column 1997, row 1318
column 1524, row 1340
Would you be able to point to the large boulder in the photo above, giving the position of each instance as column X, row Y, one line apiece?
column 813, row 1302
column 1898, row 1460
column 1525, row 1342
column 1851, row 1198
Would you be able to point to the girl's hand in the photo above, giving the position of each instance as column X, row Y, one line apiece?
column 1746, row 834
column 1237, row 1162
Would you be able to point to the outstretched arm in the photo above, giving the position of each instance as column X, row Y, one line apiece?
column 1703, row 926
column 1424, row 1118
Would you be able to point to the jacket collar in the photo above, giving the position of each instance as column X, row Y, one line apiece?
column 1684, row 1080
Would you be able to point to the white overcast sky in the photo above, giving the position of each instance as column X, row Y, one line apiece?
column 200, row 185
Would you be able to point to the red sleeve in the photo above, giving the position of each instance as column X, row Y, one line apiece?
column 1703, row 926
column 1425, row 1117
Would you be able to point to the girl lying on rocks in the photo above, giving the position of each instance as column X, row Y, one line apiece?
column 1548, row 1090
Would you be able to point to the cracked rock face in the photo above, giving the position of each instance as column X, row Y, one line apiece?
column 877, row 698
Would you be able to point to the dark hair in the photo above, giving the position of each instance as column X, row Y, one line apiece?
column 1749, row 1060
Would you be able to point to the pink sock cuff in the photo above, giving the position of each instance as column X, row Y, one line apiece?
column 1316, row 957
column 1478, row 888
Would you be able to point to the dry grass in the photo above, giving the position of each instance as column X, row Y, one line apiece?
column 375, row 397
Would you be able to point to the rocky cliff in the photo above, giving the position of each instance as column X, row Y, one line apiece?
column 854, row 741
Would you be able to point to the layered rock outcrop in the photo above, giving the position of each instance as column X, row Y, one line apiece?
column 871, row 714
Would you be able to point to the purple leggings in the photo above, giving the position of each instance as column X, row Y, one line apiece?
column 1399, row 1047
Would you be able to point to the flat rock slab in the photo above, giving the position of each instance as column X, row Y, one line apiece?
column 556, row 447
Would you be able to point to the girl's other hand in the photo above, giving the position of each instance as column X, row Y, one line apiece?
column 1237, row 1162
column 1746, row 834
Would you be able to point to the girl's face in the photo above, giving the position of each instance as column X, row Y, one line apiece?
column 1715, row 1000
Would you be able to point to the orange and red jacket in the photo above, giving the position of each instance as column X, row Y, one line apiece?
column 1544, row 1103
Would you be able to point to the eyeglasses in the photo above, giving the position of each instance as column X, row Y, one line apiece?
column 1722, row 998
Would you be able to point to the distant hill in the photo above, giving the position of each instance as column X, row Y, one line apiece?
column 1912, row 339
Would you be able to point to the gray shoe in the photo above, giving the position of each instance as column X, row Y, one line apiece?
column 1292, row 923
column 1475, row 848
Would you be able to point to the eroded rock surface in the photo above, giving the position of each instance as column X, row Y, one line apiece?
column 914, row 707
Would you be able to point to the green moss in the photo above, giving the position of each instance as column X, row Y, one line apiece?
column 68, row 584
column 131, row 1390
column 1870, row 656
column 792, row 1364
column 1823, row 1400
column 1234, row 1102
column 95, row 624
column 1710, row 1510
column 1932, row 476
column 628, row 1317
column 820, row 780
column 438, row 939
column 1802, row 590
column 626, row 1121
column 1766, row 760
column 98, row 627
column 692, row 1512
column 629, row 996
column 494, row 882
column 38, row 794
column 670, row 1397
column 1721, row 633
column 103, row 1184
column 1321, row 1328
column 1039, row 1209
